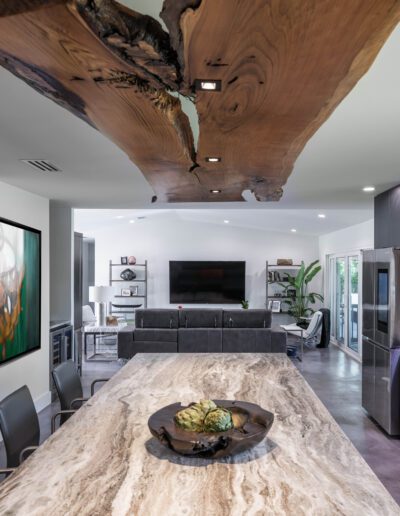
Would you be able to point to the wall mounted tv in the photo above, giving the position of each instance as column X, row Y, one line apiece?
column 20, row 267
column 207, row 282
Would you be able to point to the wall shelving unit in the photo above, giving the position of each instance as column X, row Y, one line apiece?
column 273, row 290
column 117, row 306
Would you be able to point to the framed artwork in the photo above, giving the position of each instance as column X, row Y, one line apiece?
column 20, row 290
column 276, row 307
column 269, row 304
column 134, row 290
column 126, row 292
column 124, row 260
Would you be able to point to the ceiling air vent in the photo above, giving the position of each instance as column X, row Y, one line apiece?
column 41, row 164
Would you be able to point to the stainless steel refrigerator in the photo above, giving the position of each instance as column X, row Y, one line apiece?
column 381, row 337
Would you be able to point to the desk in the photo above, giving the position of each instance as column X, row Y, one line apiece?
column 104, row 461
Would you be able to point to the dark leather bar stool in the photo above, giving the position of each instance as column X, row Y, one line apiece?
column 69, row 389
column 19, row 425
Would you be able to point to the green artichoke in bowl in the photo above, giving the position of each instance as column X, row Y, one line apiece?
column 204, row 416
column 218, row 420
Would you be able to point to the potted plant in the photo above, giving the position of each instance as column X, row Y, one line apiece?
column 245, row 304
column 300, row 300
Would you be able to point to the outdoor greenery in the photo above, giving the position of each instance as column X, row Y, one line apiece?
column 299, row 302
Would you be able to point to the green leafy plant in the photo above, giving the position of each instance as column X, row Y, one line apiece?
column 301, row 299
column 245, row 304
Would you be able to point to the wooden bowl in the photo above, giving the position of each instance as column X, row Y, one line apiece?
column 251, row 425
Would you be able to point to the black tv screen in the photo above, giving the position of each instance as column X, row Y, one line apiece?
column 207, row 282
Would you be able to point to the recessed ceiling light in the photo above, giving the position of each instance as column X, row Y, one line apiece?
column 215, row 191
column 213, row 160
column 293, row 230
column 131, row 221
column 369, row 189
column 226, row 221
column 321, row 215
column 207, row 85
column 119, row 217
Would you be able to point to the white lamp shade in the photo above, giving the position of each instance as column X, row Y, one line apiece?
column 100, row 294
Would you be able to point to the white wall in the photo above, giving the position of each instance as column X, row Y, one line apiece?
column 352, row 238
column 167, row 238
column 32, row 369
column 61, row 262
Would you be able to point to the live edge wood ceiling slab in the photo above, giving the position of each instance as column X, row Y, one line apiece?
column 284, row 66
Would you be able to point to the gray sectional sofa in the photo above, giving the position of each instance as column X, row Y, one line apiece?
column 200, row 330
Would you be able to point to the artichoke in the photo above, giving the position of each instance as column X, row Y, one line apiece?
column 192, row 417
column 204, row 416
column 218, row 420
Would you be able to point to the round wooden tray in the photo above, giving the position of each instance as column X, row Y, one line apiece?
column 251, row 425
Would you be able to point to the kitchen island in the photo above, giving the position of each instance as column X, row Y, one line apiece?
column 105, row 461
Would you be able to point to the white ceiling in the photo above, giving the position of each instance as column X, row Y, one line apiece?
column 357, row 146
column 306, row 222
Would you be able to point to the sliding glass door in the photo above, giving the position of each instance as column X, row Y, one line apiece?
column 345, row 303
column 340, row 299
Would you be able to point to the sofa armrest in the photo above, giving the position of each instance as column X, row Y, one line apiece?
column 125, row 342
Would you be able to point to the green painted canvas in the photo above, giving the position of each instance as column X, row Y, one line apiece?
column 20, row 296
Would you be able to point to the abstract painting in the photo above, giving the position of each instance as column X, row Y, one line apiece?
column 20, row 294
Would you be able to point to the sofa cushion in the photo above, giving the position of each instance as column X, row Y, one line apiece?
column 200, row 318
column 156, row 335
column 200, row 340
column 254, row 318
column 246, row 340
column 156, row 318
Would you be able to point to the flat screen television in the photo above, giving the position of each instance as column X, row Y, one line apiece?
column 20, row 255
column 207, row 282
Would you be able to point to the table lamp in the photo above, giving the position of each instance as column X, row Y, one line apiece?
column 101, row 295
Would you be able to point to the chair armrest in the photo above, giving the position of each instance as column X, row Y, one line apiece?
column 94, row 383
column 25, row 450
column 76, row 400
column 7, row 471
column 53, row 419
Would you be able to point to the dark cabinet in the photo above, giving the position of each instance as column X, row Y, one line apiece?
column 61, row 349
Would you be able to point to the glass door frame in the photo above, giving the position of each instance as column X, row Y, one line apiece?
column 330, row 287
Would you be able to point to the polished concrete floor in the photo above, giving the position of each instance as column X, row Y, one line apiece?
column 336, row 379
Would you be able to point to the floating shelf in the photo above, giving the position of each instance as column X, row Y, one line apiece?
column 128, row 281
column 127, row 265
column 129, row 297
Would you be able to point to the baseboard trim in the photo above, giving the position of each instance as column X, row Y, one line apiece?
column 42, row 401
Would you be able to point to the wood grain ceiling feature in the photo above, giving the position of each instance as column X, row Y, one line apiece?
column 284, row 66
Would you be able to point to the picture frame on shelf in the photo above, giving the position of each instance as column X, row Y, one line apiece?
column 276, row 307
column 134, row 290
column 124, row 260
column 269, row 304
column 126, row 292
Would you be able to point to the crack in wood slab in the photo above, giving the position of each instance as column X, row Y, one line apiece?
column 138, row 39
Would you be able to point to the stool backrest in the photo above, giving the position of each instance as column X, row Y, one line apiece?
column 68, row 385
column 19, row 424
